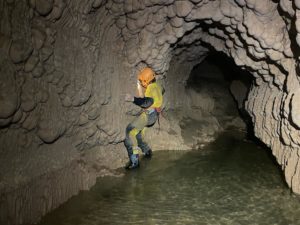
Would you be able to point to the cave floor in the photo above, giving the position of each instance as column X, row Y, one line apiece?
column 230, row 181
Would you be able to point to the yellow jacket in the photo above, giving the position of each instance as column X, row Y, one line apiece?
column 153, row 97
column 154, row 91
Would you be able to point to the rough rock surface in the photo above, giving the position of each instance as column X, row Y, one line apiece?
column 63, row 62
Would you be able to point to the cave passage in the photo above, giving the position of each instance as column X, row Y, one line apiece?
column 218, row 67
column 216, row 90
column 218, row 76
column 66, row 65
column 230, row 181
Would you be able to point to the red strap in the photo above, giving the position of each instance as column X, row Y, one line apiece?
column 158, row 110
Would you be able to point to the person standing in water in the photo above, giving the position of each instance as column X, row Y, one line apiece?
column 150, row 99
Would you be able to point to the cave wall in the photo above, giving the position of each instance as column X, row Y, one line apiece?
column 63, row 62
column 61, row 70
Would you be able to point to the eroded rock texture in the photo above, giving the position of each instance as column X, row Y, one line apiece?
column 66, row 64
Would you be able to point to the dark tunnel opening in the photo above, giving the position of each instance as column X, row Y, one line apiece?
column 229, row 70
column 228, row 84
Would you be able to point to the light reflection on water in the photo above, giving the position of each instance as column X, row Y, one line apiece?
column 230, row 182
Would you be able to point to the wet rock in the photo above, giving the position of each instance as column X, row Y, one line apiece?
column 295, row 109
column 49, row 130
column 28, row 102
column 30, row 122
column 97, row 3
column 9, row 94
column 38, row 38
column 31, row 63
column 44, row 7
column 17, row 116
column 183, row 8
column 176, row 22
column 58, row 8
column 5, row 42
column 48, row 135
column 38, row 71
column 67, row 102
column 94, row 112
column 83, row 119
column 19, row 51
column 45, row 53
column 121, row 22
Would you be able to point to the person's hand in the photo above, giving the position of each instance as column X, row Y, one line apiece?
column 140, row 89
column 129, row 98
column 139, row 85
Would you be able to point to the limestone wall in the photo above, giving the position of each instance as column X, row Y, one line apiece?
column 61, row 73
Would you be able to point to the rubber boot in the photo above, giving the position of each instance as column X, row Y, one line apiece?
column 133, row 163
column 148, row 154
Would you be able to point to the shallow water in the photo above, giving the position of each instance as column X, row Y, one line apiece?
column 230, row 182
